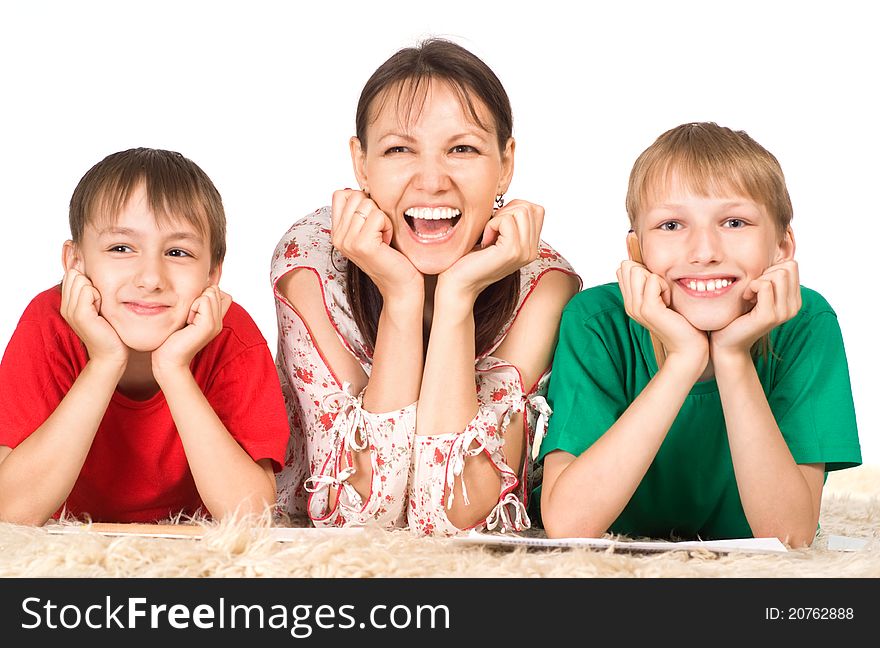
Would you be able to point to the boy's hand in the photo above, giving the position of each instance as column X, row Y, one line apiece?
column 646, row 298
column 510, row 241
column 362, row 232
column 81, row 308
column 776, row 296
column 204, row 322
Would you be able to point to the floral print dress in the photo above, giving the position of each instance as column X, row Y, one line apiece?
column 413, row 475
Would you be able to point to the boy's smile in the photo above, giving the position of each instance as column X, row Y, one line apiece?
column 435, row 173
column 146, row 308
column 148, row 275
column 709, row 249
column 703, row 286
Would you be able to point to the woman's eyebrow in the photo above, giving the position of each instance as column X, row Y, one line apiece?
column 477, row 132
column 397, row 135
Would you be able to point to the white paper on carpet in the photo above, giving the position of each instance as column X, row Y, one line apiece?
column 740, row 545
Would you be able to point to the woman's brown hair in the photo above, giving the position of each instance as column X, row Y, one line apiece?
column 410, row 72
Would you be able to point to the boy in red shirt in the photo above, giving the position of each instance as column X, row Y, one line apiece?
column 137, row 390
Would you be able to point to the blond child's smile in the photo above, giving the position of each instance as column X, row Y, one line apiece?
column 706, row 286
column 708, row 249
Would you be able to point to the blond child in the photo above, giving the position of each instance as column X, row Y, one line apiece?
column 136, row 390
column 750, row 407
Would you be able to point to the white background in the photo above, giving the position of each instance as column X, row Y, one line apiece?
column 262, row 96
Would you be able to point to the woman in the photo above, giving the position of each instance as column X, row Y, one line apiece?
column 418, row 315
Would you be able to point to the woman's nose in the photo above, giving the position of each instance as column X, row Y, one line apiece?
column 432, row 174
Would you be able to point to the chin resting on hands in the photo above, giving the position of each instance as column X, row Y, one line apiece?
column 646, row 298
column 363, row 232
column 510, row 241
column 777, row 298
column 81, row 308
column 203, row 323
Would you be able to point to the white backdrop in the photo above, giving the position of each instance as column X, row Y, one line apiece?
column 262, row 96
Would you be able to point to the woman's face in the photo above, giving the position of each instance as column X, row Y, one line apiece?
column 435, row 174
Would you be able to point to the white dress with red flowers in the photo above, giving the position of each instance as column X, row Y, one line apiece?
column 413, row 475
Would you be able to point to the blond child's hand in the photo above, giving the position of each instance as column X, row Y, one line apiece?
column 776, row 296
column 81, row 308
column 362, row 232
column 204, row 322
column 510, row 241
column 646, row 298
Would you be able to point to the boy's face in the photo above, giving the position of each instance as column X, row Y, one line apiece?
column 147, row 276
column 708, row 249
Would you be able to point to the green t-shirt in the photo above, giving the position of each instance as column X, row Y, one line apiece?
column 603, row 361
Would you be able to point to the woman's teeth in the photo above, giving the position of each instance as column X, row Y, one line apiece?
column 432, row 222
column 432, row 213
column 710, row 285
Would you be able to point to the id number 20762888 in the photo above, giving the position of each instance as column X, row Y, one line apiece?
column 808, row 614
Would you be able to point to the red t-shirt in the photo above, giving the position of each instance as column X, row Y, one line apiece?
column 136, row 470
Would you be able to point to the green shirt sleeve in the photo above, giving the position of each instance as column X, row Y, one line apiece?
column 811, row 395
column 587, row 388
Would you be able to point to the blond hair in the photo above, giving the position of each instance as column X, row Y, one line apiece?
column 709, row 159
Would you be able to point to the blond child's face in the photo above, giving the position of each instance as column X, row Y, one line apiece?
column 436, row 178
column 708, row 249
column 148, row 276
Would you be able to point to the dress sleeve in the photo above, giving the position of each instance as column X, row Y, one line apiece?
column 328, row 422
column 588, row 390
column 438, row 460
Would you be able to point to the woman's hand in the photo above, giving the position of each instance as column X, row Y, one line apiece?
column 646, row 298
column 776, row 296
column 510, row 241
column 362, row 232
column 81, row 308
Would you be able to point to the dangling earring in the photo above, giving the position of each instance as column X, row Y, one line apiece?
column 499, row 201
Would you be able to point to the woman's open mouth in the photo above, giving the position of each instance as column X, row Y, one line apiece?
column 432, row 224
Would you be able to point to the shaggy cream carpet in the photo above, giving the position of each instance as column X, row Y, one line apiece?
column 851, row 508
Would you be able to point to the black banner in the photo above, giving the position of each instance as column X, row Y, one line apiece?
column 428, row 611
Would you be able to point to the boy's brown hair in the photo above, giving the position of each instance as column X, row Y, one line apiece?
column 176, row 188
column 707, row 159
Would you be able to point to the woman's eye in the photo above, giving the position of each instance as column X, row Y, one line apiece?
column 464, row 148
column 396, row 149
column 176, row 252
